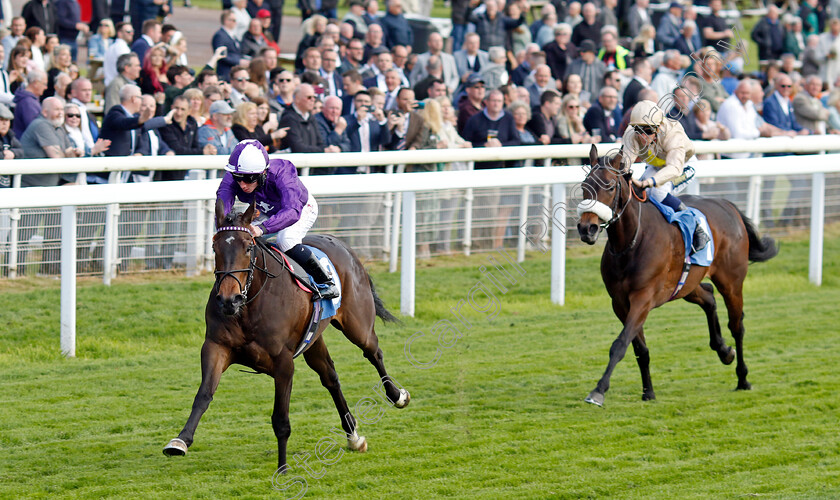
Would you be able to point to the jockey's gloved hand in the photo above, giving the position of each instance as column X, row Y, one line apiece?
column 256, row 231
column 643, row 184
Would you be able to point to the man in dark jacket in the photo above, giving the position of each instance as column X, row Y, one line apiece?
column 182, row 134
column 396, row 27
column 560, row 52
column 333, row 129
column 40, row 13
column 70, row 24
column 492, row 26
column 303, row 135
column 542, row 123
column 123, row 121
column 589, row 28
column 603, row 117
column 769, row 35
column 224, row 38
column 11, row 147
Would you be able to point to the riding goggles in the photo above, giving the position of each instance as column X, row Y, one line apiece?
column 645, row 129
column 246, row 178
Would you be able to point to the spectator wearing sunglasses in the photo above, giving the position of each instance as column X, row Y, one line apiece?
column 777, row 108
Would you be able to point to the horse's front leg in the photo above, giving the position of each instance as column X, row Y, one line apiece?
column 640, row 306
column 214, row 361
column 284, row 370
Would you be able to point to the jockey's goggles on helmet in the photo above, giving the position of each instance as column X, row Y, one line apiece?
column 246, row 178
column 645, row 129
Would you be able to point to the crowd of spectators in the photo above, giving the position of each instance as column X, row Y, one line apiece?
column 570, row 76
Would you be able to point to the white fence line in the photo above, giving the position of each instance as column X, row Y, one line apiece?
column 203, row 192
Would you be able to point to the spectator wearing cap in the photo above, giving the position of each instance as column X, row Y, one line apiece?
column 589, row 28
column 263, row 16
column 590, row 69
column 27, row 100
column 224, row 38
column 8, row 141
column 472, row 103
column 396, row 27
column 491, row 127
column 447, row 62
column 355, row 16
column 470, row 59
column 216, row 130
column 253, row 40
column 668, row 30
column 303, row 135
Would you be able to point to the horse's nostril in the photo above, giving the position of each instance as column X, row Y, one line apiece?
column 238, row 298
column 593, row 229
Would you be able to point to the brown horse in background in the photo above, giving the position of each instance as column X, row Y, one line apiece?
column 258, row 321
column 643, row 262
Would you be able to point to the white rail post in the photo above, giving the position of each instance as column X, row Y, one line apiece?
column 110, row 240
column 195, row 229
column 468, row 208
column 523, row 219
column 409, row 238
column 209, row 227
column 558, row 245
column 68, row 281
column 14, row 215
column 754, row 199
column 388, row 203
column 815, row 249
column 395, row 234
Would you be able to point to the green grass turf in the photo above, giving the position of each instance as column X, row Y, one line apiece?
column 501, row 414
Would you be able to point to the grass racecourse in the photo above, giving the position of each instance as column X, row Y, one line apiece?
column 499, row 415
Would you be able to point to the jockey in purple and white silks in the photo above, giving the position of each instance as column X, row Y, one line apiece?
column 286, row 209
column 664, row 146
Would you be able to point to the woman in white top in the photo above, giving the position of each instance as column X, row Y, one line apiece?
column 72, row 124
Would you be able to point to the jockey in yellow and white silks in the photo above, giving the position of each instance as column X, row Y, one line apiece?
column 664, row 146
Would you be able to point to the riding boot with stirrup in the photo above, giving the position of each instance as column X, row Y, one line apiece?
column 316, row 270
column 700, row 238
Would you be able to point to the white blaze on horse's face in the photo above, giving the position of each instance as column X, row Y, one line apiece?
column 229, row 240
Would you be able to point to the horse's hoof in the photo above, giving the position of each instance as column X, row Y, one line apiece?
column 648, row 396
column 357, row 443
column 729, row 357
column 176, row 447
column 595, row 398
column 405, row 398
column 745, row 386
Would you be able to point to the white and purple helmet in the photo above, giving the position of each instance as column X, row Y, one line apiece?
column 248, row 157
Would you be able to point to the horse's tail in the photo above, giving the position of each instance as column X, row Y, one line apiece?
column 761, row 249
column 381, row 311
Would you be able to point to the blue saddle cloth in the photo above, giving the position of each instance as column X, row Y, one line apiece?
column 328, row 306
column 687, row 220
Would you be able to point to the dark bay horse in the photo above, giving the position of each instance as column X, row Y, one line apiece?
column 256, row 316
column 643, row 262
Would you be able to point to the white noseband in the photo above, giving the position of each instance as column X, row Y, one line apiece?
column 603, row 212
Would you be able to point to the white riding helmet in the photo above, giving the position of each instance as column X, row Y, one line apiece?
column 248, row 157
column 646, row 113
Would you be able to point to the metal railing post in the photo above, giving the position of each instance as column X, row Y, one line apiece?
column 395, row 234
column 815, row 249
column 558, row 245
column 14, row 216
column 523, row 219
column 110, row 240
column 409, row 249
column 195, row 229
column 388, row 203
column 68, row 281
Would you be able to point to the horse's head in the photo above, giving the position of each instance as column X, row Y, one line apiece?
column 233, row 245
column 605, row 189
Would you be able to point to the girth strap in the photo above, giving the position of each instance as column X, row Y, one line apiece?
column 311, row 330
column 683, row 277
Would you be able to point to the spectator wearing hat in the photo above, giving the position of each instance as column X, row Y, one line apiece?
column 355, row 17
column 472, row 102
column 8, row 141
column 590, row 69
column 216, row 130
column 668, row 30
column 590, row 27
column 265, row 18
column 303, row 135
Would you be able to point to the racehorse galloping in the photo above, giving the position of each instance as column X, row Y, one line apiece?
column 643, row 262
column 258, row 322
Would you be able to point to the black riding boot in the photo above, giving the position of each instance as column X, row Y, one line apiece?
column 316, row 270
column 700, row 238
